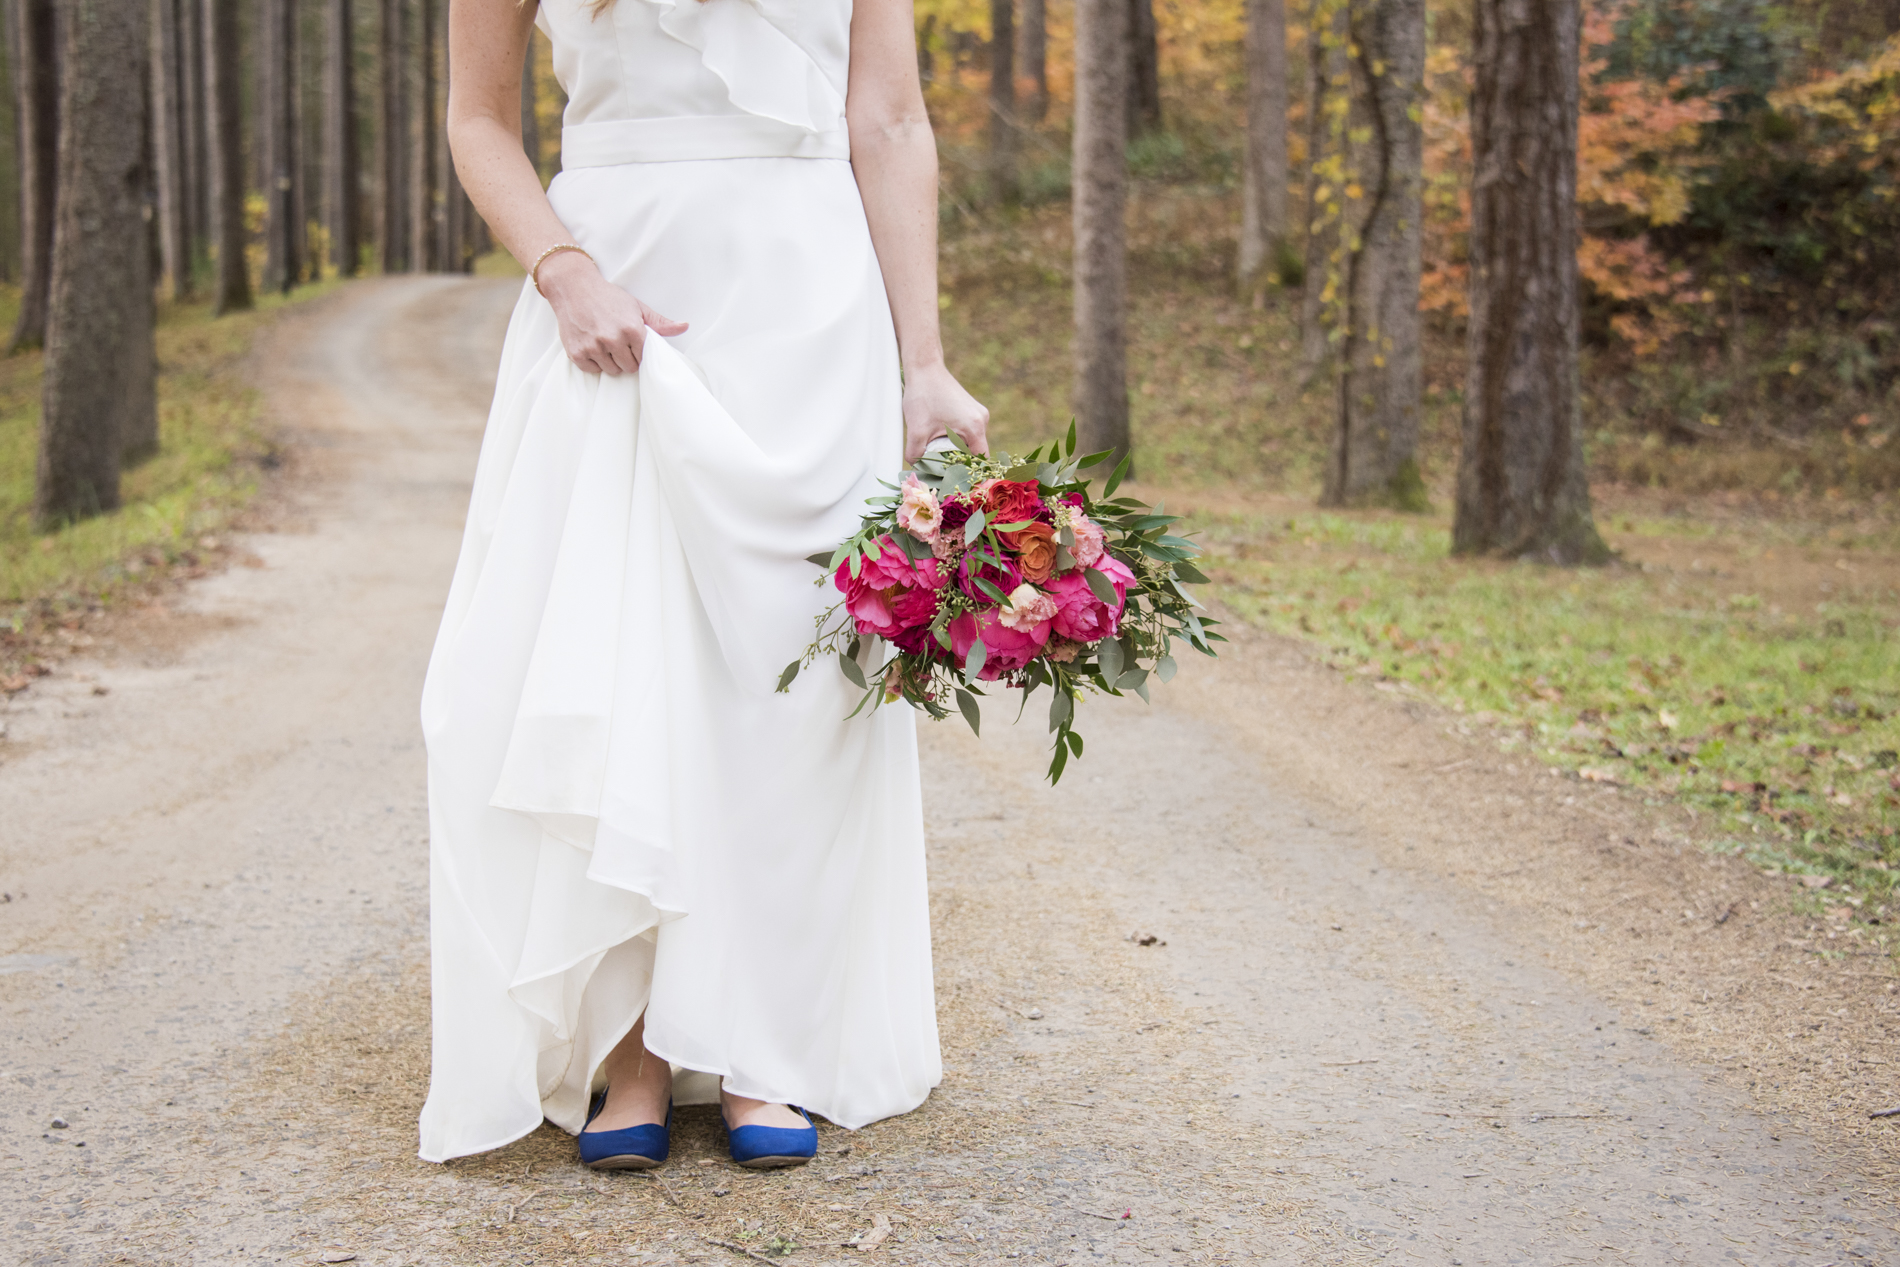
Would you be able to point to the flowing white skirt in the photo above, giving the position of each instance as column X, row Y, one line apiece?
column 623, row 815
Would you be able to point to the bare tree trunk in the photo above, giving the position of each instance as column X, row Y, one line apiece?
column 392, row 131
column 1003, row 183
column 1263, row 167
column 1099, row 204
column 99, row 388
column 1143, row 91
column 342, row 172
column 456, row 211
column 225, row 152
column 36, row 35
column 530, row 120
column 1328, row 108
column 168, row 147
column 277, row 83
column 191, row 100
column 1033, row 52
column 1375, row 436
column 1522, row 489
column 422, row 178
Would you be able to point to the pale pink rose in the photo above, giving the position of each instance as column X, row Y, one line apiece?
column 919, row 513
column 1028, row 607
column 1088, row 541
column 1061, row 650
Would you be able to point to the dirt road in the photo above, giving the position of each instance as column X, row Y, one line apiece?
column 1402, row 1003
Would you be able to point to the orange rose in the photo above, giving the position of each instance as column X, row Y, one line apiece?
column 1035, row 548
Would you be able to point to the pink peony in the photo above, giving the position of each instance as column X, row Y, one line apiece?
column 890, row 594
column 1088, row 541
column 1006, row 649
column 919, row 513
column 1080, row 615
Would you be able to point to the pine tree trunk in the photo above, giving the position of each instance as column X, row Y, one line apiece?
column 168, row 146
column 277, row 84
column 1003, row 183
column 530, row 120
column 1328, row 99
column 1522, row 488
column 191, row 100
column 422, row 167
column 1143, row 90
column 36, row 35
column 456, row 211
column 392, row 118
column 1263, row 168
column 1375, row 435
column 342, row 172
column 99, row 378
column 224, row 168
column 1034, row 44
column 1099, row 205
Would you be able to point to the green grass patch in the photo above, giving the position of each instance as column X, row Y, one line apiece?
column 1780, row 723
column 212, row 443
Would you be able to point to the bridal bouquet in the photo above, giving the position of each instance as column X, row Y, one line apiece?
column 1005, row 571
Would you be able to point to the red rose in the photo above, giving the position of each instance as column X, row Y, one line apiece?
column 1013, row 501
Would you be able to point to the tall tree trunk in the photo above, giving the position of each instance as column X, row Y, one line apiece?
column 191, row 100
column 1099, row 205
column 277, row 80
column 168, row 146
column 1003, row 183
column 1142, row 93
column 456, row 211
column 1522, row 490
column 530, row 120
column 225, row 155
column 1375, row 435
column 422, row 167
column 1033, row 44
column 342, row 172
column 392, row 132
column 1263, row 168
column 99, row 386
column 36, row 35
column 1328, row 117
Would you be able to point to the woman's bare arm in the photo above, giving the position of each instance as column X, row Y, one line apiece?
column 895, row 157
column 602, row 327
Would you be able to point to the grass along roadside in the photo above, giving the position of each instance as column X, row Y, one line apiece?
column 213, row 443
column 1741, row 673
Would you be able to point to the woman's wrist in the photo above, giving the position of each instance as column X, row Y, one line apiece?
column 565, row 270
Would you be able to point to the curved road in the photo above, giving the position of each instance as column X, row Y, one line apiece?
column 213, row 962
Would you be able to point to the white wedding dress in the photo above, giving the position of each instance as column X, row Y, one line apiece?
column 623, row 815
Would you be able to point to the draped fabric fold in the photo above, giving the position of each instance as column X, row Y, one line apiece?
column 623, row 813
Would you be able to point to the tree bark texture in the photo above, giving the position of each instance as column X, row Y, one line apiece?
column 191, row 101
column 342, row 171
column 224, row 154
column 1099, row 204
column 1328, row 116
column 1142, row 92
column 168, row 145
column 99, row 379
column 1033, row 46
column 36, row 35
column 1263, row 169
column 277, row 84
column 1003, row 183
column 423, row 178
column 392, row 135
column 1522, row 490
column 1375, row 435
column 530, row 120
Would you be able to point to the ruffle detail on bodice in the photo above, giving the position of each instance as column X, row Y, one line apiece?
column 766, row 71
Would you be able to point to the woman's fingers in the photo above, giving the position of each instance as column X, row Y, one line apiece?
column 660, row 324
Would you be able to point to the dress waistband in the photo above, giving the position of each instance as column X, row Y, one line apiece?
column 688, row 137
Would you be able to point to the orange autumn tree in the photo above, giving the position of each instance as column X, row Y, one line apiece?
column 1638, row 145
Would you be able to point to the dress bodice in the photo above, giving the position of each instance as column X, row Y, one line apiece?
column 665, row 80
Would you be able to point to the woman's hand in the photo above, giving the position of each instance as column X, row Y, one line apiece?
column 603, row 328
column 935, row 404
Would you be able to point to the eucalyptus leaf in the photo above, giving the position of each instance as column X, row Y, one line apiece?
column 1185, row 571
column 973, row 528
column 1094, row 459
column 1100, row 585
column 1068, row 444
column 826, row 559
column 1121, row 473
column 791, row 672
column 1061, row 709
column 850, row 668
column 1075, row 742
column 973, row 662
column 966, row 703
column 1164, row 668
column 1109, row 656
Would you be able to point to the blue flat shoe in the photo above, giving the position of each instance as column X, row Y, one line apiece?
column 635, row 1148
column 767, row 1147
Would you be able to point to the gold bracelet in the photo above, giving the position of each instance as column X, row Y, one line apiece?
column 534, row 274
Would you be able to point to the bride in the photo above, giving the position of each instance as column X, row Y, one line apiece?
column 643, row 860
